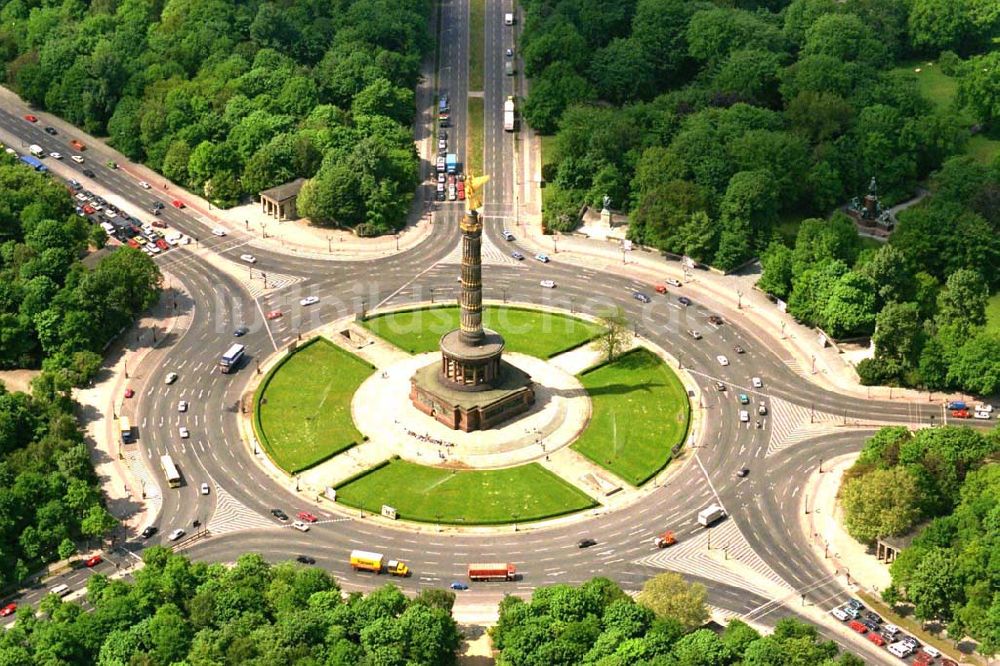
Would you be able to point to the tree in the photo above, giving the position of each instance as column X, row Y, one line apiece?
column 669, row 596
column 883, row 502
column 935, row 588
column 976, row 365
column 963, row 300
column 621, row 72
column 936, row 25
column 616, row 335
column 777, row 263
column 850, row 310
column 898, row 333
column 66, row 549
column 701, row 648
column 558, row 88
column 977, row 87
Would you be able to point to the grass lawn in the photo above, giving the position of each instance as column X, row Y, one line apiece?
column 304, row 406
column 529, row 332
column 430, row 494
column 640, row 410
column 477, row 43
column 993, row 313
column 474, row 152
column 549, row 154
column 941, row 89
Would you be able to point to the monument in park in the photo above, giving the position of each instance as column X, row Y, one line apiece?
column 472, row 388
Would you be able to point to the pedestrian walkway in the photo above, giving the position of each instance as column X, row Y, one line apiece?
column 491, row 254
column 231, row 515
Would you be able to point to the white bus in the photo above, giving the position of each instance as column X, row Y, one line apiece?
column 170, row 471
column 231, row 359
column 126, row 428
column 61, row 590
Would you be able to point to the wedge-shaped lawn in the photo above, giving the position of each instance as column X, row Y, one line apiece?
column 466, row 497
column 640, row 411
column 531, row 332
column 304, row 405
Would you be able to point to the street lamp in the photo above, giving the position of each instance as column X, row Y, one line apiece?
column 555, row 246
column 813, row 371
column 397, row 242
column 739, row 299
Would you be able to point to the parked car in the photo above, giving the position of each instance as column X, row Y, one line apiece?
column 876, row 638
column 93, row 561
column 839, row 613
column 858, row 627
column 961, row 414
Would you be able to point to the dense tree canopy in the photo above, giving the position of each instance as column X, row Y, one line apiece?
column 178, row 611
column 222, row 96
column 597, row 623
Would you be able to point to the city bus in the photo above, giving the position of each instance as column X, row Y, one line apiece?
column 170, row 471
column 126, row 428
column 231, row 359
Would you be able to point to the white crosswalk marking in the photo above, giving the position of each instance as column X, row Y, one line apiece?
column 133, row 457
column 791, row 424
column 231, row 515
column 491, row 254
column 275, row 281
column 692, row 557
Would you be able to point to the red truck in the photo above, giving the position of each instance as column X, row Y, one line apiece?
column 492, row 571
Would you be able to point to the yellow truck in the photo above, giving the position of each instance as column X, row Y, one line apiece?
column 362, row 560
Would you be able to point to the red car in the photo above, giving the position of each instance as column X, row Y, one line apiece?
column 660, row 289
column 948, row 662
column 274, row 314
column 876, row 638
column 858, row 627
column 923, row 658
column 307, row 517
column 88, row 209
column 31, row 119
column 94, row 561
column 8, row 609
column 961, row 414
column 133, row 243
column 162, row 244
column 129, row 393
column 177, row 203
column 159, row 224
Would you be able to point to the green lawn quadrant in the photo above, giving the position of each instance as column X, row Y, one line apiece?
column 464, row 497
column 640, row 411
column 304, row 405
column 532, row 332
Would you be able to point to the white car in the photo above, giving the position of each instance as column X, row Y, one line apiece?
column 176, row 534
column 694, row 334
column 77, row 158
column 144, row 185
column 309, row 300
column 171, row 377
column 249, row 258
column 744, row 416
column 672, row 282
column 548, row 284
column 184, row 432
column 300, row 526
column 182, row 406
column 757, row 383
column 55, row 156
column 218, row 232
column 839, row 613
column 722, row 360
column 981, row 414
column 204, row 489
column 984, row 407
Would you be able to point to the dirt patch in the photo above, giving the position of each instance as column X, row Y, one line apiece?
column 477, row 650
column 18, row 380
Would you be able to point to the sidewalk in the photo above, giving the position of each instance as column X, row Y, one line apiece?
column 101, row 404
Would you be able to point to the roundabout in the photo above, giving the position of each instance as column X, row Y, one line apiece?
column 540, row 464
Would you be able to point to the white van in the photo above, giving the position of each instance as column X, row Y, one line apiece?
column 900, row 650
column 61, row 590
column 508, row 19
column 36, row 150
column 710, row 515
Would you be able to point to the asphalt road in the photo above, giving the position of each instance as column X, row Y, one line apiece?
column 762, row 507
